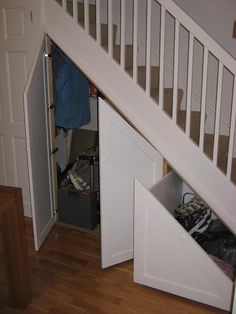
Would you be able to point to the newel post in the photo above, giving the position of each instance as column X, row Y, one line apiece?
column 15, row 246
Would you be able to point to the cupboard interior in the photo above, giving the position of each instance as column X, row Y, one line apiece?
column 77, row 150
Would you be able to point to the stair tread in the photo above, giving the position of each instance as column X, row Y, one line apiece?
column 104, row 33
column 142, row 75
column 222, row 149
column 222, row 158
column 92, row 12
column 117, row 47
column 168, row 96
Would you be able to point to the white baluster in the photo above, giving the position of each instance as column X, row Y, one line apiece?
column 135, row 41
column 98, row 22
column 148, row 47
column 75, row 10
column 232, row 131
column 64, row 4
column 122, row 35
column 189, row 84
column 218, row 108
column 203, row 99
column 110, row 28
column 162, row 57
column 176, row 70
column 86, row 15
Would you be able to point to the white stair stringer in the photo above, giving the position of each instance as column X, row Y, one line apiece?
column 142, row 112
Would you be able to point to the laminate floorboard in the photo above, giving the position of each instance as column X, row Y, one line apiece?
column 67, row 279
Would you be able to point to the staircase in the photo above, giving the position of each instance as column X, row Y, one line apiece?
column 97, row 42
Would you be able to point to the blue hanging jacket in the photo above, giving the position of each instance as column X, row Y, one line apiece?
column 71, row 93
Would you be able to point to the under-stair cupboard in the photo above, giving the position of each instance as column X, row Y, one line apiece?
column 169, row 93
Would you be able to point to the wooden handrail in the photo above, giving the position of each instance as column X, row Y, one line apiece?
column 15, row 246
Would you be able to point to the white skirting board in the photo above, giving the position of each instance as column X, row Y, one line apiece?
column 166, row 257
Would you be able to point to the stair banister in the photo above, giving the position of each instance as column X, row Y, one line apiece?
column 199, row 33
column 189, row 84
column 162, row 58
column 110, row 28
column 232, row 132
column 225, row 60
column 86, row 15
column 75, row 10
column 122, row 35
column 203, row 99
column 135, row 40
column 218, row 109
column 147, row 115
column 195, row 32
column 176, row 71
column 64, row 4
column 148, row 49
column 98, row 21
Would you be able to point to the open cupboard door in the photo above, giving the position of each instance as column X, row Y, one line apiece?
column 166, row 257
column 124, row 155
column 38, row 150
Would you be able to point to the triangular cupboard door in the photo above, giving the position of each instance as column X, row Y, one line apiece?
column 166, row 257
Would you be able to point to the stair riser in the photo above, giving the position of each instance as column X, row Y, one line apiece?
column 80, row 14
column 154, row 77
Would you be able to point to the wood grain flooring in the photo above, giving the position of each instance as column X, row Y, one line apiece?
column 67, row 279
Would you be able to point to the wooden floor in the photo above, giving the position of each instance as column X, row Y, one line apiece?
column 67, row 279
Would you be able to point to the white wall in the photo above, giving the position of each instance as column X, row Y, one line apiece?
column 216, row 17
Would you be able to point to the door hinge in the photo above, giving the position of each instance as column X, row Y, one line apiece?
column 55, row 211
column 50, row 107
column 53, row 152
column 47, row 55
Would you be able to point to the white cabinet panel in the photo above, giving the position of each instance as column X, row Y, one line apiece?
column 14, row 22
column 17, row 76
column 124, row 155
column 20, row 31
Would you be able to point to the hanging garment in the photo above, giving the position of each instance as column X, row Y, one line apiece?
column 71, row 93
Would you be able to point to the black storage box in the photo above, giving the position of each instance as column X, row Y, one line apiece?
column 78, row 208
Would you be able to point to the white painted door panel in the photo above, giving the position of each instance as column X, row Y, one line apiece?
column 37, row 151
column 14, row 65
column 124, row 155
column 20, row 30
